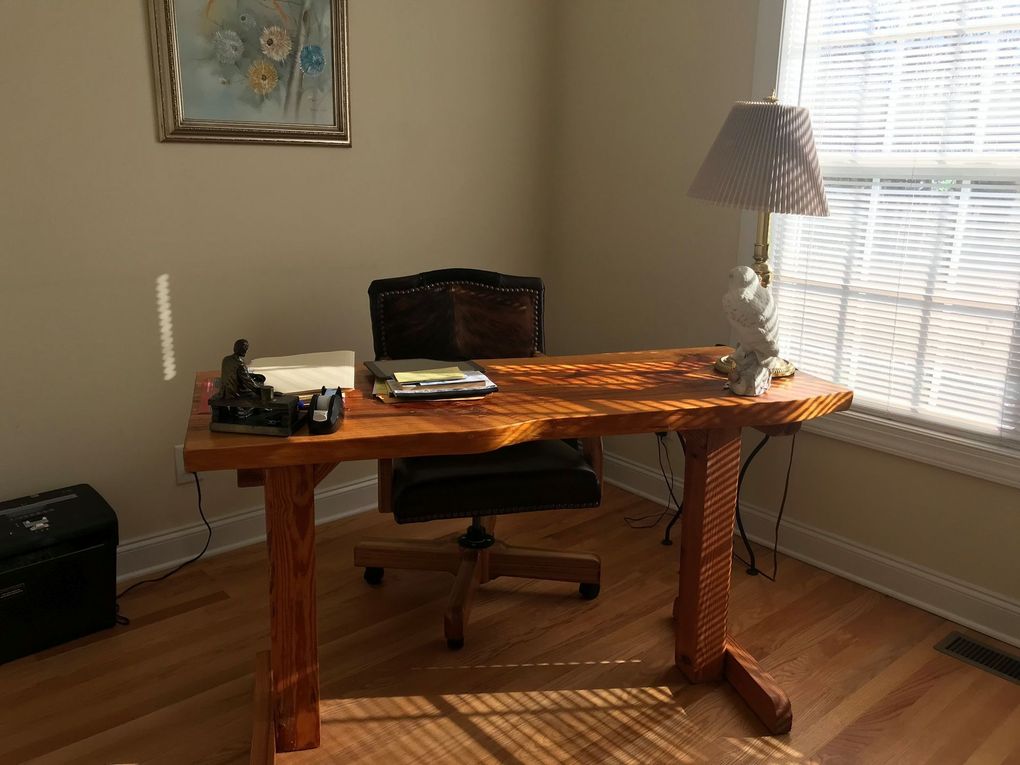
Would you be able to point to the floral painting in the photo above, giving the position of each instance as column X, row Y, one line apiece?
column 254, row 70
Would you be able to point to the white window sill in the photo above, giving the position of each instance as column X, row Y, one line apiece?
column 958, row 453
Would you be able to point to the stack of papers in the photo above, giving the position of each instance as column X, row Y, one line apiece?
column 307, row 372
column 433, row 380
column 476, row 384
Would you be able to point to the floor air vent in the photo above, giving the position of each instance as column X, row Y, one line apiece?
column 981, row 655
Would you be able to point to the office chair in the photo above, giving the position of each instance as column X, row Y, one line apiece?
column 455, row 315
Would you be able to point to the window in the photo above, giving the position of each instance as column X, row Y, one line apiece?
column 910, row 291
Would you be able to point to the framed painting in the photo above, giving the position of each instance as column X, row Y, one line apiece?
column 254, row 71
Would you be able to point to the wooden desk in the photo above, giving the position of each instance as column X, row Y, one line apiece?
column 542, row 397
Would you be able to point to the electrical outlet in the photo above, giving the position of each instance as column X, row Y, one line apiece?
column 183, row 476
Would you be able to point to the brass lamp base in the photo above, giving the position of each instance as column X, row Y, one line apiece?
column 782, row 367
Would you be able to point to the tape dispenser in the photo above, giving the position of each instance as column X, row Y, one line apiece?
column 325, row 411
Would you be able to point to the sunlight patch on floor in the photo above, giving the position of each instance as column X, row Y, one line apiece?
column 639, row 724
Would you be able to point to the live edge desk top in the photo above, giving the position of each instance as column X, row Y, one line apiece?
column 541, row 397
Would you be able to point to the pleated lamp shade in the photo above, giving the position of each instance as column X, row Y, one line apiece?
column 764, row 159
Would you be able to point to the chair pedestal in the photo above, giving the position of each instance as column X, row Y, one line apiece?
column 472, row 568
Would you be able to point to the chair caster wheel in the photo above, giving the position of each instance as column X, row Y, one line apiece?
column 589, row 591
column 455, row 644
column 373, row 575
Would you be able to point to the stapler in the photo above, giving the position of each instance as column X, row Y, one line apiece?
column 325, row 411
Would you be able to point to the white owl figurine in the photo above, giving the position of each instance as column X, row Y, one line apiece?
column 752, row 315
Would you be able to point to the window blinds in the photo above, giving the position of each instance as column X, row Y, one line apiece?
column 910, row 291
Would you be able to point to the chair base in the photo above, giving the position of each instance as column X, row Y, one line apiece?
column 472, row 568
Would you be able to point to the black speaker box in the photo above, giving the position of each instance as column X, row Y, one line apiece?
column 58, row 569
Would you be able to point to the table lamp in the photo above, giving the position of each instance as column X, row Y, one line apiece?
column 764, row 160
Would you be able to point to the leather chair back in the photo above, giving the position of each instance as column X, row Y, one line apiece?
column 456, row 314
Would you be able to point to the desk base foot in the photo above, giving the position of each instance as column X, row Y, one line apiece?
column 758, row 689
column 263, row 737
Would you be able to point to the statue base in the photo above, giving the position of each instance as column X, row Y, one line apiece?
column 724, row 366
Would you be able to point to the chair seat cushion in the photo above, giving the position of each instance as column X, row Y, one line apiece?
column 539, row 475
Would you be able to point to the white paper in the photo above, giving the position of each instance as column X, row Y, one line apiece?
column 307, row 371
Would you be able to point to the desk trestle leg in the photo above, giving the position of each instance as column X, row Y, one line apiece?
column 293, row 639
column 703, row 650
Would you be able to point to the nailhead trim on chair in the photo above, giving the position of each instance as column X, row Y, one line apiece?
column 535, row 293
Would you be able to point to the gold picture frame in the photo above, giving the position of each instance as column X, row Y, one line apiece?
column 251, row 71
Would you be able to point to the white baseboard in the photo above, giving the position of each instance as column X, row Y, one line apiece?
column 981, row 609
column 160, row 552
column 953, row 599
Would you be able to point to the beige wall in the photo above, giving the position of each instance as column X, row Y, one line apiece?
column 643, row 87
column 277, row 244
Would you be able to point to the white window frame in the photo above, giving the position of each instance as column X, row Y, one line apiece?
column 959, row 453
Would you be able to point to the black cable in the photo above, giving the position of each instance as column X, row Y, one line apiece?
column 782, row 507
column 679, row 505
column 635, row 523
column 752, row 568
column 198, row 489
column 671, row 484
column 779, row 517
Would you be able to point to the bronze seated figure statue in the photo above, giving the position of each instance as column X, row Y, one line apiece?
column 245, row 404
column 235, row 379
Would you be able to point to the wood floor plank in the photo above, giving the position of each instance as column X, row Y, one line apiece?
column 219, row 717
column 544, row 676
column 1001, row 746
column 972, row 717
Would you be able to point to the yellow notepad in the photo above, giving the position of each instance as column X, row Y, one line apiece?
column 442, row 374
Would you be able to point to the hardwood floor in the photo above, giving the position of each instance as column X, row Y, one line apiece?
column 544, row 675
